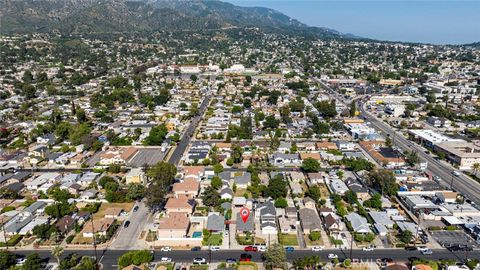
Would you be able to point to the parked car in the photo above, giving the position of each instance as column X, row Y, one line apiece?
column 195, row 249
column 289, row 249
column 126, row 224
column 135, row 209
column 230, row 260
column 262, row 248
column 369, row 248
column 214, row 248
column 199, row 261
column 316, row 248
column 165, row 249
column 20, row 261
column 410, row 248
column 250, row 248
column 165, row 260
column 332, row 256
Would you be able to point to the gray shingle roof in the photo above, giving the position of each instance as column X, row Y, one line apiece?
column 215, row 223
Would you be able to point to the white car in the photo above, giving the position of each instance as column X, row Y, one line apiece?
column 214, row 248
column 332, row 256
column 456, row 173
column 369, row 248
column 426, row 251
column 165, row 249
column 165, row 260
column 262, row 248
column 199, row 260
column 20, row 261
column 316, row 248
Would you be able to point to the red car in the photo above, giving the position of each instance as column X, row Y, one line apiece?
column 245, row 257
column 250, row 248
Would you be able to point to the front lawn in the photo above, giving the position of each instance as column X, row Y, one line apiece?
column 288, row 239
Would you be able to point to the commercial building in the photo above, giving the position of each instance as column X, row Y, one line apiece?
column 429, row 138
column 462, row 154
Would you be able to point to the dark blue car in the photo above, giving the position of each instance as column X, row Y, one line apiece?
column 289, row 249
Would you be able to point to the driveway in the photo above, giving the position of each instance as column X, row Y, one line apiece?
column 128, row 238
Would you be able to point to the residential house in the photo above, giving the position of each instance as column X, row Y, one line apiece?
column 359, row 224
column 310, row 220
column 215, row 223
column 174, row 225
column 243, row 181
column 247, row 226
column 182, row 204
column 282, row 160
column 135, row 175
column 97, row 227
column 188, row 188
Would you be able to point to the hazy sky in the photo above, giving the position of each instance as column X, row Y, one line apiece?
column 430, row 21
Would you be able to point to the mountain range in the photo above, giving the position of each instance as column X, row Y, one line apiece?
column 137, row 16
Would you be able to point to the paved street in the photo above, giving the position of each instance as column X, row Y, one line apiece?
column 185, row 141
column 109, row 257
column 462, row 183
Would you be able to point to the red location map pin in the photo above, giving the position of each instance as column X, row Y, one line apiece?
column 244, row 213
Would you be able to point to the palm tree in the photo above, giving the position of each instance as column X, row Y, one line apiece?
column 57, row 252
column 476, row 167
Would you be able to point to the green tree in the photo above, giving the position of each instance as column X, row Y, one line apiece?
column 32, row 262
column 271, row 122
column 281, row 203
column 216, row 182
column 237, row 153
column 383, row 181
column 406, row 236
column 135, row 191
column 353, row 109
column 134, row 257
column 388, row 142
column 314, row 193
column 28, row 91
column 57, row 252
column 217, row 168
column 275, row 257
column 310, row 165
column 7, row 259
column 412, row 158
column 277, row 188
column 157, row 135
column 161, row 176
column 211, row 197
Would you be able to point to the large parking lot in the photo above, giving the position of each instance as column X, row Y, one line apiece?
column 453, row 238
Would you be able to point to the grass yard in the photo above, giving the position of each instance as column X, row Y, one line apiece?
column 324, row 190
column 213, row 240
column 80, row 240
column 309, row 242
column 198, row 267
column 288, row 239
column 165, row 266
column 125, row 206
column 247, row 266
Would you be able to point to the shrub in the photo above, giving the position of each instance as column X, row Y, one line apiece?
column 134, row 257
column 69, row 239
column 314, row 236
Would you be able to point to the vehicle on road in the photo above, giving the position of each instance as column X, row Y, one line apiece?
column 230, row 260
column 214, row 248
column 166, row 249
column 199, row 260
column 436, row 178
column 410, row 248
column 244, row 257
column 195, row 249
column 250, row 248
column 135, row 209
column 456, row 173
column 126, row 224
column 289, row 249
column 20, row 261
column 332, row 256
column 316, row 248
column 165, row 260
column 369, row 248
column 427, row 251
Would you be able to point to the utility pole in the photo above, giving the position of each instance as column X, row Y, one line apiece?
column 94, row 243
column 5, row 235
column 351, row 246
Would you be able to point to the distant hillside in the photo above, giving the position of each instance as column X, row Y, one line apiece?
column 127, row 16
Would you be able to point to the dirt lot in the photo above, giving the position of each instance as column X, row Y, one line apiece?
column 101, row 212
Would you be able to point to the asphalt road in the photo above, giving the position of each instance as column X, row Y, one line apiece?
column 186, row 138
column 109, row 258
column 462, row 183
